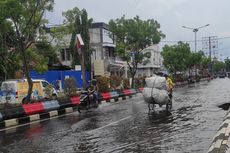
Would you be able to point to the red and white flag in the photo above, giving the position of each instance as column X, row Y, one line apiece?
column 78, row 43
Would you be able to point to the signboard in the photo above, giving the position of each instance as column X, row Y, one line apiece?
column 99, row 68
column 23, row 89
column 78, row 67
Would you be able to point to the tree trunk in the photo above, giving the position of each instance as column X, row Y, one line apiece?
column 132, row 83
column 29, row 80
column 83, row 69
column 175, row 76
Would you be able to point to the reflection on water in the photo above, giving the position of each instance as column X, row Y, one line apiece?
column 189, row 127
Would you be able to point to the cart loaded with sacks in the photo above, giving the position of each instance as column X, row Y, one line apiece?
column 155, row 93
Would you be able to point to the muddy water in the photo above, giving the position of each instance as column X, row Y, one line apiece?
column 126, row 127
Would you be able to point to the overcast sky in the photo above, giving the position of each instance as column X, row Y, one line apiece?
column 171, row 14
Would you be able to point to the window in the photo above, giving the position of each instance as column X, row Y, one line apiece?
column 68, row 55
column 63, row 55
column 45, row 84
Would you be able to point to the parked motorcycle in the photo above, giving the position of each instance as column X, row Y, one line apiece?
column 88, row 100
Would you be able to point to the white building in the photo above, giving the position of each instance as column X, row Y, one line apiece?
column 103, row 58
column 104, row 61
column 154, row 64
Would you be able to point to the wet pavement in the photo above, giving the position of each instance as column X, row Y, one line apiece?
column 126, row 126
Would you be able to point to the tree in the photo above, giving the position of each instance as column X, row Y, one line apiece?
column 218, row 66
column 9, row 60
column 227, row 63
column 25, row 16
column 177, row 57
column 72, row 22
column 193, row 61
column 77, row 22
column 132, row 36
column 47, row 51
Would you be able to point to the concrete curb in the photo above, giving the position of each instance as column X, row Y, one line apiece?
column 15, row 122
column 121, row 98
column 4, row 125
column 220, row 141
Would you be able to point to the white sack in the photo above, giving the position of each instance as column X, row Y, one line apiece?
column 147, row 94
column 156, row 82
column 160, row 96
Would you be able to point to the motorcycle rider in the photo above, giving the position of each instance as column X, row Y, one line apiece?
column 93, row 89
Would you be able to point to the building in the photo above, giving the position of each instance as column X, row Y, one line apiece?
column 104, row 61
column 154, row 62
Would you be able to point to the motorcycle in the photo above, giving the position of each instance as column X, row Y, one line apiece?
column 88, row 100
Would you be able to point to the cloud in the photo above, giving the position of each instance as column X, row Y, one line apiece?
column 171, row 14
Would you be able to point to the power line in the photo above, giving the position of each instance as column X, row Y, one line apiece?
column 163, row 41
column 191, row 41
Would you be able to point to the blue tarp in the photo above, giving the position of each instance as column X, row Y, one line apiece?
column 53, row 76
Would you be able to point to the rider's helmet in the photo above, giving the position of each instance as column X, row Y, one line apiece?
column 165, row 75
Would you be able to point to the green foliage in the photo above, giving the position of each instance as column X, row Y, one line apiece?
column 48, row 91
column 205, row 62
column 179, row 58
column 115, row 81
column 9, row 60
column 70, row 88
column 126, row 83
column 37, row 61
column 78, row 23
column 58, row 36
column 139, row 82
column 218, row 66
column 85, row 25
column 9, row 64
column 25, row 19
column 103, row 83
column 194, row 60
column 176, row 57
column 227, row 63
column 47, row 51
column 132, row 36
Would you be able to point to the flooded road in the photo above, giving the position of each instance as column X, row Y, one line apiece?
column 126, row 126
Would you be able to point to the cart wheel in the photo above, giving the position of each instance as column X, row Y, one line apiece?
column 169, row 105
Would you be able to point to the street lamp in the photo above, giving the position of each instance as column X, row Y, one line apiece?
column 195, row 30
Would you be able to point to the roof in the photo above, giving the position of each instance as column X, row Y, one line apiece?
column 100, row 25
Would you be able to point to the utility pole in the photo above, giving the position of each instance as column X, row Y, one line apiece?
column 210, row 53
column 195, row 30
column 79, row 44
column 210, row 48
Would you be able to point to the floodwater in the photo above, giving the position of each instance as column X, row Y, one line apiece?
column 127, row 127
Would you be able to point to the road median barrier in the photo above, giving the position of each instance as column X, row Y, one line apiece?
column 32, row 112
column 221, row 139
column 51, row 105
column 66, row 102
column 33, row 108
column 114, row 96
column 13, row 113
column 106, row 96
column 75, row 100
